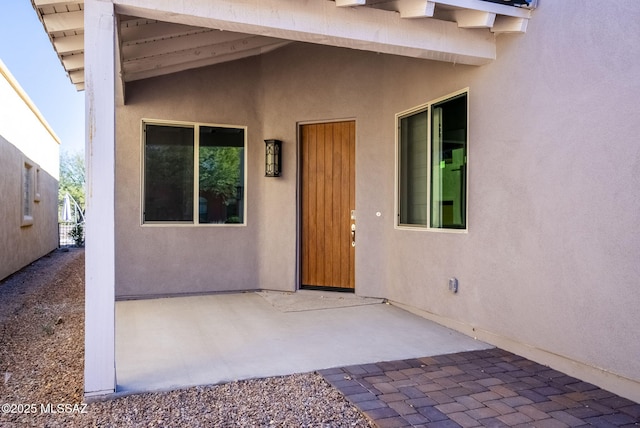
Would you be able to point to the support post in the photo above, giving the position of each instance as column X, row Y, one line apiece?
column 99, row 367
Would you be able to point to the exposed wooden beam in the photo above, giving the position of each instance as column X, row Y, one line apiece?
column 69, row 44
column 415, row 8
column 205, row 38
column 67, row 21
column 73, row 62
column 144, row 73
column 485, row 6
column 141, row 30
column 346, row 3
column 120, row 85
column 77, row 76
column 319, row 21
column 474, row 18
column 507, row 24
column 237, row 48
column 45, row 3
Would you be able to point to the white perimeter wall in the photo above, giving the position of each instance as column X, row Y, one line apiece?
column 25, row 137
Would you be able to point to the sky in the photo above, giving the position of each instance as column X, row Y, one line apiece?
column 27, row 52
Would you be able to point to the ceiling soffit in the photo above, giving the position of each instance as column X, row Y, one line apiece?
column 151, row 48
column 164, row 36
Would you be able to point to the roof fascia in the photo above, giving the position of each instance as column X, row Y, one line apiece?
column 485, row 6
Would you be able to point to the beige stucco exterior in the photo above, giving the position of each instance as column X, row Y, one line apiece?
column 549, row 265
column 25, row 139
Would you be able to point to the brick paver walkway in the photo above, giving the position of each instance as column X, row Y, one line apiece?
column 491, row 388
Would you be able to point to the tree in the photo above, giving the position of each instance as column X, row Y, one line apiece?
column 72, row 175
column 220, row 171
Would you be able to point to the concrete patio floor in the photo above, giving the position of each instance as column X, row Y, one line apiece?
column 171, row 343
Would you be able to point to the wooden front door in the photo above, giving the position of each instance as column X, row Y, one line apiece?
column 328, row 204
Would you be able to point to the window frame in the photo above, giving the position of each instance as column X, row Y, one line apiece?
column 428, row 108
column 196, row 171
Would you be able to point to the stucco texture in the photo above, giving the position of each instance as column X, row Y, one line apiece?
column 549, row 261
column 22, row 244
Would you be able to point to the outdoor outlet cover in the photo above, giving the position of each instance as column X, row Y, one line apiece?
column 453, row 285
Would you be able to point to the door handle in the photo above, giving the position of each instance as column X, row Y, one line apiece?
column 353, row 235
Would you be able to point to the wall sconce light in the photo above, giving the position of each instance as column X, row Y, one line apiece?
column 273, row 158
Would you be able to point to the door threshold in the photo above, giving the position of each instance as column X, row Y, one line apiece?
column 325, row 288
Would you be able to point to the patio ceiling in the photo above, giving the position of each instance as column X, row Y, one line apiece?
column 158, row 37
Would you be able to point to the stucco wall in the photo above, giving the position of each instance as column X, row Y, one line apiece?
column 164, row 259
column 25, row 138
column 548, row 267
column 270, row 100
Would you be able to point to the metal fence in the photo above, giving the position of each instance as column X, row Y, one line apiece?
column 64, row 233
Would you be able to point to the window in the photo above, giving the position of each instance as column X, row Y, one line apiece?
column 432, row 145
column 27, row 194
column 193, row 174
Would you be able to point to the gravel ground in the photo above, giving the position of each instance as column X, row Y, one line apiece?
column 41, row 365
